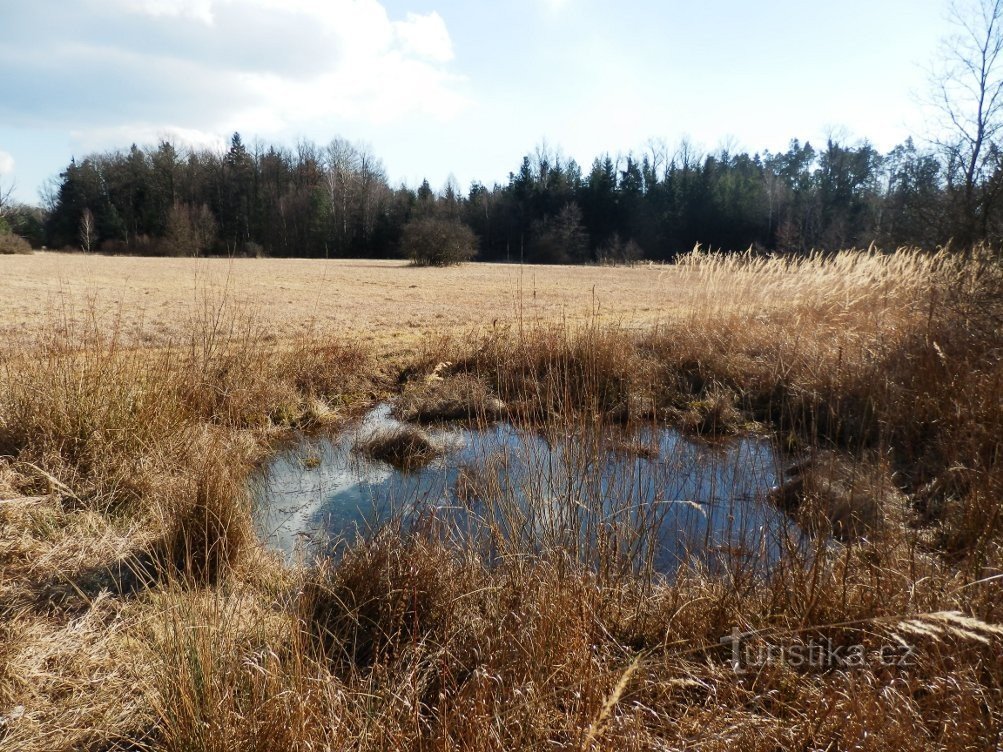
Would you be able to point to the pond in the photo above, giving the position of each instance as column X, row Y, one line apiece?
column 646, row 498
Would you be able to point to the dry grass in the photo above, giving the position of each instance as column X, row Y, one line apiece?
column 149, row 300
column 138, row 612
column 406, row 447
column 458, row 398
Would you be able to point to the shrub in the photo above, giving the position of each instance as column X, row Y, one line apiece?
column 28, row 222
column 616, row 251
column 191, row 230
column 430, row 241
column 11, row 243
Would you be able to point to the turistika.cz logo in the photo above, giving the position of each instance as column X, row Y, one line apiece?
column 751, row 652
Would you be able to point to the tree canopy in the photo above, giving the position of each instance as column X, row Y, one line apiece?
column 336, row 201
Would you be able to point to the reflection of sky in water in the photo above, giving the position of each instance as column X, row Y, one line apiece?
column 698, row 497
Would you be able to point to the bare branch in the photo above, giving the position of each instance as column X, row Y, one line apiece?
column 968, row 92
column 6, row 197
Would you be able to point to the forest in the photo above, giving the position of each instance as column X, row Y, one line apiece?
column 337, row 201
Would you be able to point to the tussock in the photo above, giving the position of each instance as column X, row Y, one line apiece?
column 457, row 398
column 406, row 447
column 840, row 495
column 715, row 413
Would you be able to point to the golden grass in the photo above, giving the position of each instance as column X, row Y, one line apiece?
column 457, row 398
column 150, row 301
column 406, row 447
column 139, row 613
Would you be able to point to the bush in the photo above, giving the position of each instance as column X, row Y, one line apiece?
column 26, row 221
column 11, row 243
column 191, row 231
column 429, row 241
column 615, row 252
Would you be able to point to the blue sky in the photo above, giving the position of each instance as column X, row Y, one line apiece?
column 446, row 87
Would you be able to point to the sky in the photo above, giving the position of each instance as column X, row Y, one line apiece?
column 456, row 88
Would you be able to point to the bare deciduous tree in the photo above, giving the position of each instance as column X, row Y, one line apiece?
column 356, row 183
column 88, row 234
column 372, row 187
column 191, row 231
column 6, row 194
column 968, row 93
column 341, row 163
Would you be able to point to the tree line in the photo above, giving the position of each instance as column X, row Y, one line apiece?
column 336, row 201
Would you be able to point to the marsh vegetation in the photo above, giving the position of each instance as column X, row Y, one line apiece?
column 141, row 611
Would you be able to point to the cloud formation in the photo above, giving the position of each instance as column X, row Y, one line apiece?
column 200, row 68
column 6, row 163
column 425, row 36
column 200, row 10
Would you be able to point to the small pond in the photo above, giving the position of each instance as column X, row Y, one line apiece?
column 648, row 498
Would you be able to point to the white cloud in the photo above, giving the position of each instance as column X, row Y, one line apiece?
column 200, row 10
column 425, row 36
column 6, row 163
column 95, row 139
column 193, row 69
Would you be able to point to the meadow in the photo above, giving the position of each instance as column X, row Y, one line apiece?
column 140, row 611
column 152, row 300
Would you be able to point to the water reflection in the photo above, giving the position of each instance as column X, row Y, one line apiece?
column 649, row 497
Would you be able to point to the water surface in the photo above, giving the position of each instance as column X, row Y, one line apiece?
column 593, row 491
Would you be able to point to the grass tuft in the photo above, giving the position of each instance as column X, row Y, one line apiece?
column 406, row 447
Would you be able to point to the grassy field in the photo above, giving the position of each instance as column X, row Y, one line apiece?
column 140, row 612
column 151, row 300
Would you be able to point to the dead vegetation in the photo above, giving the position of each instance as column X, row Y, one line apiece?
column 139, row 613
column 11, row 244
column 457, row 398
column 149, row 300
column 406, row 447
column 833, row 494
